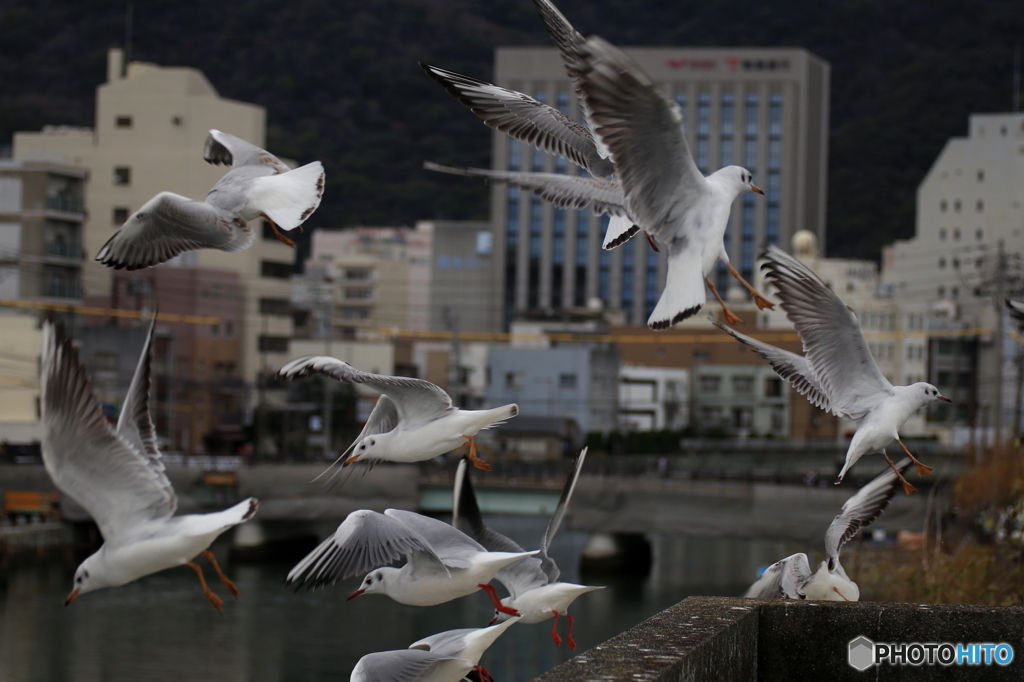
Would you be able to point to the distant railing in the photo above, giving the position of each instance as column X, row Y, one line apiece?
column 226, row 463
column 65, row 205
column 63, row 250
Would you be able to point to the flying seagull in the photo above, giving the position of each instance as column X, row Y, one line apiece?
column 259, row 185
column 1016, row 309
column 414, row 420
column 836, row 372
column 792, row 578
column 443, row 562
column 533, row 586
column 118, row 477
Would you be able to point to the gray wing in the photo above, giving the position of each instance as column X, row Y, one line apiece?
column 518, row 578
column 415, row 400
column 365, row 540
column 169, row 225
column 556, row 519
column 1016, row 312
column 643, row 131
column 450, row 641
column 526, row 119
column 226, row 149
column 782, row 580
column 118, row 486
column 402, row 665
column 135, row 425
column 454, row 548
column 564, row 191
column 834, row 345
column 860, row 510
column 790, row 366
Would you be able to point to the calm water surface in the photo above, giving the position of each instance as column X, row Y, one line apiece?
column 162, row 628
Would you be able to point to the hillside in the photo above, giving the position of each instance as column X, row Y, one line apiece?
column 340, row 82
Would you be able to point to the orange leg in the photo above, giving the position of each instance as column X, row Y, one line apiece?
column 217, row 602
column 554, row 630
column 493, row 595
column 650, row 240
column 760, row 300
column 907, row 488
column 277, row 233
column 483, row 674
column 730, row 317
column 572, row 642
column 922, row 469
column 220, row 574
column 477, row 462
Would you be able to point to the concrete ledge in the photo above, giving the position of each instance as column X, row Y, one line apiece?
column 714, row 638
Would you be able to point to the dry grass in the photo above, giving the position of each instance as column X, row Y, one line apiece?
column 996, row 482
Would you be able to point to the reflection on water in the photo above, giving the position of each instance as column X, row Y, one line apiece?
column 161, row 627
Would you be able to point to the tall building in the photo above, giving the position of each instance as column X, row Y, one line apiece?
column 764, row 109
column 151, row 123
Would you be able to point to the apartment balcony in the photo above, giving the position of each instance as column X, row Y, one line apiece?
column 72, row 251
column 62, row 289
column 65, row 205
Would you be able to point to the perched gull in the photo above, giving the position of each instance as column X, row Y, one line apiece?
column 413, row 420
column 118, row 477
column 444, row 563
column 836, row 372
column 534, row 590
column 1016, row 309
column 665, row 192
column 444, row 657
column 792, row 578
column 258, row 185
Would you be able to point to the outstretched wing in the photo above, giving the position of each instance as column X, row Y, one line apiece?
column 782, row 580
column 402, row 665
column 135, row 425
column 226, row 149
column 556, row 519
column 117, row 485
column 1016, row 309
column 454, row 548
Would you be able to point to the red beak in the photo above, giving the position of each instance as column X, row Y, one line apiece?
column 71, row 598
column 355, row 594
column 944, row 399
column 493, row 620
column 757, row 189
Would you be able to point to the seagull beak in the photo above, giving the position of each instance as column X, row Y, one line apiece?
column 355, row 594
column 493, row 620
column 71, row 598
column 353, row 458
column 755, row 188
column 944, row 399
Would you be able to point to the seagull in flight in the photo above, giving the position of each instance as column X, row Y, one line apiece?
column 836, row 373
column 118, row 477
column 791, row 578
column 414, row 420
column 443, row 562
column 533, row 586
column 259, row 185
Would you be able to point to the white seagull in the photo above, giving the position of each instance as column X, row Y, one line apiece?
column 792, row 578
column 444, row 657
column 414, row 420
column 443, row 562
column 118, row 476
column 1016, row 309
column 665, row 192
column 533, row 586
column 258, row 185
column 836, row 372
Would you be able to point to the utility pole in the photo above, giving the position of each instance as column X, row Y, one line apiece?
column 1000, row 295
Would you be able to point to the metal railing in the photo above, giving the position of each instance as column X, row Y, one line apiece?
column 63, row 250
column 65, row 205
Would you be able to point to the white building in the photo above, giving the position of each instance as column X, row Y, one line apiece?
column 653, row 398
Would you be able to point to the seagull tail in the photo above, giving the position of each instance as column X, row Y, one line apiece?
column 289, row 198
column 684, row 294
column 498, row 415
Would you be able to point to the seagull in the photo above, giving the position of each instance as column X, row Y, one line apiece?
column 443, row 562
column 534, row 590
column 665, row 192
column 792, row 578
column 118, row 477
column 444, row 657
column 258, row 185
column 1016, row 309
column 836, row 372
column 414, row 420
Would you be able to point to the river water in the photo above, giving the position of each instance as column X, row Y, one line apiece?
column 162, row 628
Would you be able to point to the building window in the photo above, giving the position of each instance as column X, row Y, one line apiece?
column 273, row 344
column 943, row 205
column 105, row 361
column 122, row 175
column 942, row 263
column 980, row 206
column 536, row 222
column 743, row 384
column 119, row 216
column 567, row 381
column 981, row 175
column 358, row 294
column 513, row 379
column 123, row 122
column 275, row 269
column 956, row 205
column 628, row 256
column 956, row 234
column 281, row 307
column 354, row 313
column 710, row 384
column 773, row 387
column 942, row 234
column 978, row 234
column 358, row 274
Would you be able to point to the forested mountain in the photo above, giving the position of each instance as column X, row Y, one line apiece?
column 340, row 82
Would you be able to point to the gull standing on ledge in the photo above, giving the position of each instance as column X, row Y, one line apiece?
column 665, row 192
column 791, row 578
column 259, row 185
column 533, row 586
column 443, row 562
column 836, row 372
column 118, row 476
column 413, row 420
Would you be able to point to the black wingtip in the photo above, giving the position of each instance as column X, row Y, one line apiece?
column 659, row 325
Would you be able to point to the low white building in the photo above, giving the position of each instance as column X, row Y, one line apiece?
column 653, row 398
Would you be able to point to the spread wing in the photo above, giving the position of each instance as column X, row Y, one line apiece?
column 564, row 191
column 226, row 149
column 860, row 510
column 556, row 519
column 834, row 345
column 1016, row 309
column 119, row 486
column 169, row 225
column 782, row 580
column 790, row 366
column 365, row 540
column 135, row 425
column 402, row 665
column 526, row 119
column 454, row 548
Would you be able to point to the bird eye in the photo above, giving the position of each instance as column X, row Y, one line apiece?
column 369, row 581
